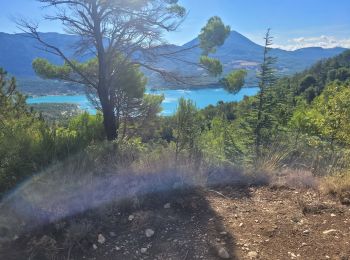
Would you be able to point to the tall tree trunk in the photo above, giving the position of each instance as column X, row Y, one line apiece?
column 111, row 124
column 109, row 121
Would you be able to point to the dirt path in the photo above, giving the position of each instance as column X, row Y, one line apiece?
column 249, row 223
column 285, row 224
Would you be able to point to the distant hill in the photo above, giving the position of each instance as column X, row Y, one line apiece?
column 18, row 51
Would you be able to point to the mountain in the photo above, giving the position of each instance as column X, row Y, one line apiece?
column 17, row 52
column 238, row 51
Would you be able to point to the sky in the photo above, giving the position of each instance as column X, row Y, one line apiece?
column 294, row 23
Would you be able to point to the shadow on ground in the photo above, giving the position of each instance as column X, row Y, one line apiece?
column 184, row 222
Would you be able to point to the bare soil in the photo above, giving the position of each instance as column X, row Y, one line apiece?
column 241, row 223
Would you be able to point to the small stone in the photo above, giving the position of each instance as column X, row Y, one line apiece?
column 236, row 216
column 149, row 232
column 241, row 224
column 223, row 233
column 222, row 252
column 333, row 215
column 143, row 250
column 252, row 255
column 117, row 248
column 112, row 234
column 94, row 246
column 329, row 231
column 167, row 206
column 131, row 218
column 101, row 239
column 306, row 232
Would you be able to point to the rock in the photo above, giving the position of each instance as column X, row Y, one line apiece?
column 223, row 233
column 131, row 218
column 222, row 252
column 292, row 255
column 112, row 234
column 333, row 215
column 167, row 206
column 345, row 198
column 149, row 232
column 101, row 239
column 143, row 250
column 94, row 246
column 241, row 224
column 329, row 231
column 306, row 232
column 117, row 248
column 252, row 255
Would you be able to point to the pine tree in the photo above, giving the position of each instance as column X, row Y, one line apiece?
column 267, row 77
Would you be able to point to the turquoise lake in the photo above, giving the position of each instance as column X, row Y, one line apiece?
column 202, row 98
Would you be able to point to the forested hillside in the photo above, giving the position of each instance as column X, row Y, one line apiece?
column 306, row 124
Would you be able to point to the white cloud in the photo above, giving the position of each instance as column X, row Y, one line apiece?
column 321, row 41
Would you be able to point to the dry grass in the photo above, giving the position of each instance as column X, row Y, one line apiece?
column 337, row 185
column 294, row 178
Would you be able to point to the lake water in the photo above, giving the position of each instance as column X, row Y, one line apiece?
column 202, row 98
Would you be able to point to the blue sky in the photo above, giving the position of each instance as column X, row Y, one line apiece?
column 294, row 23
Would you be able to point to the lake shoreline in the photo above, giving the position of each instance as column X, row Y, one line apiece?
column 150, row 90
column 201, row 97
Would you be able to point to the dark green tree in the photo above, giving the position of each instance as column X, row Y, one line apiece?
column 187, row 127
column 126, row 91
column 212, row 35
column 234, row 81
column 267, row 78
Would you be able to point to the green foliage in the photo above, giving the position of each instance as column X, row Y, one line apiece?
column 213, row 66
column 187, row 127
column 87, row 127
column 213, row 35
column 179, row 10
column 28, row 144
column 306, row 82
column 328, row 117
column 143, row 120
column 46, row 70
column 223, row 142
column 126, row 88
column 234, row 81
column 56, row 113
column 341, row 74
